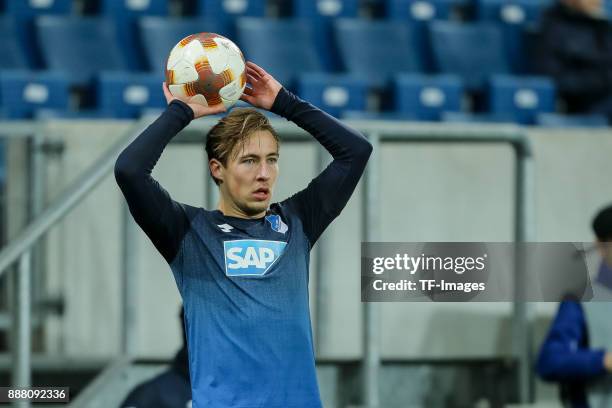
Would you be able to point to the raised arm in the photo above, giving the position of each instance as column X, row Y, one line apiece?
column 161, row 218
column 327, row 194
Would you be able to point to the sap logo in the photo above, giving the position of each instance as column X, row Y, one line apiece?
column 251, row 257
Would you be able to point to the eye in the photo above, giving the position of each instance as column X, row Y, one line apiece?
column 249, row 161
column 273, row 160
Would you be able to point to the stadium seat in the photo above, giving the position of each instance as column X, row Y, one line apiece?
column 464, row 117
column 376, row 50
column 126, row 15
column 126, row 95
column 321, row 14
column 80, row 47
column 47, row 114
column 24, row 13
column 559, row 120
column 282, row 58
column 361, row 115
column 515, row 17
column 472, row 51
column 426, row 97
column 159, row 35
column 228, row 11
column 12, row 52
column 419, row 10
column 23, row 92
column 419, row 13
column 334, row 93
column 523, row 98
column 30, row 9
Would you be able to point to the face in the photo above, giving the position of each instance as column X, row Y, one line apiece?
column 605, row 250
column 591, row 7
column 249, row 176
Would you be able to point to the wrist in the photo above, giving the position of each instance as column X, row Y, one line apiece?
column 282, row 102
column 184, row 111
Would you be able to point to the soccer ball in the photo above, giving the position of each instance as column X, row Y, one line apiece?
column 207, row 69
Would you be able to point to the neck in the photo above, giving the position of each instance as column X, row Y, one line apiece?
column 229, row 209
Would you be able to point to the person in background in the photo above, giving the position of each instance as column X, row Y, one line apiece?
column 577, row 352
column 170, row 389
column 574, row 47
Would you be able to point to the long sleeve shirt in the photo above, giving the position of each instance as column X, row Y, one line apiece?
column 244, row 282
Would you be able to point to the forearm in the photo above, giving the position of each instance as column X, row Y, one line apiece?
column 327, row 194
column 342, row 142
column 160, row 217
column 139, row 158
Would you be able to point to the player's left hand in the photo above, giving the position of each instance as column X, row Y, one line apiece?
column 264, row 87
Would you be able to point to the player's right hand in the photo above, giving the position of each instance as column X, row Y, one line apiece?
column 198, row 110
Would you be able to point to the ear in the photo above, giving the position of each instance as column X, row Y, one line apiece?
column 216, row 169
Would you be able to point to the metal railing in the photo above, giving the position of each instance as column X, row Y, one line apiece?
column 19, row 250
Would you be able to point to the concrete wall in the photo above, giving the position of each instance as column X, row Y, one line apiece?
column 429, row 193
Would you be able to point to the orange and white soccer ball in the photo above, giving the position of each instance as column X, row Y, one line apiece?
column 207, row 69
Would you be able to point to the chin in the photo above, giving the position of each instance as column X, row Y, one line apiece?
column 257, row 207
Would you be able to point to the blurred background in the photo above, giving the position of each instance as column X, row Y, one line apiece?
column 490, row 122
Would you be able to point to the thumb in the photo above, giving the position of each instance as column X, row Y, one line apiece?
column 167, row 93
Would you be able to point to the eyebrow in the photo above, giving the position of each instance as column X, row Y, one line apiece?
column 254, row 156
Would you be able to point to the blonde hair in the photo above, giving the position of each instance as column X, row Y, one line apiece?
column 233, row 130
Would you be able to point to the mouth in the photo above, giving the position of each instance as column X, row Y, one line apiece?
column 261, row 194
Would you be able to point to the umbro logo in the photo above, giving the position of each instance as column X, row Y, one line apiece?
column 225, row 227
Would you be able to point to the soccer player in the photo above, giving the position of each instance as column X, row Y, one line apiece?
column 242, row 269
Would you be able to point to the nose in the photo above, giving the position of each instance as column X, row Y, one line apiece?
column 263, row 172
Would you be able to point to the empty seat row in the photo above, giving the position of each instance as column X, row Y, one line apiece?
column 511, row 11
column 414, row 97
column 375, row 49
column 420, row 97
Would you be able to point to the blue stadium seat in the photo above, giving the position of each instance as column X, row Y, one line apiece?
column 266, row 42
column 472, row 51
column 377, row 50
column 47, row 114
column 24, row 13
column 23, row 92
column 126, row 15
column 426, row 97
column 31, row 9
column 228, row 11
column 334, row 93
column 80, row 47
column 420, row 13
column 159, row 35
column 325, row 9
column 126, row 95
column 321, row 14
column 464, row 117
column 524, row 98
column 361, row 115
column 419, row 10
column 514, row 18
column 11, row 49
column 559, row 120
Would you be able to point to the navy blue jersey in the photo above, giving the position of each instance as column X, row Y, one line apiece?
column 244, row 282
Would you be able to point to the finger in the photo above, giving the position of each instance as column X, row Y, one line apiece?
column 212, row 110
column 167, row 94
column 247, row 98
column 253, row 73
column 218, row 108
column 252, row 80
column 259, row 69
